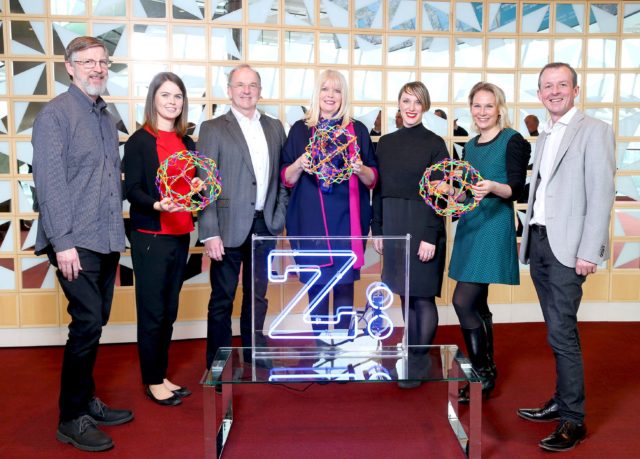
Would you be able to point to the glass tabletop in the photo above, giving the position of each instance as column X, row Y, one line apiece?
column 237, row 365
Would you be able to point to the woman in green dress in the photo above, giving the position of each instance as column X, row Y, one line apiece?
column 484, row 250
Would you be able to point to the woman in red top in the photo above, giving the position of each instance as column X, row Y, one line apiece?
column 159, row 231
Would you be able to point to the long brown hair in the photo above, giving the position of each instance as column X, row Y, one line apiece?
column 150, row 111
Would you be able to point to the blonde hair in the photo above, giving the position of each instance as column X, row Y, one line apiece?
column 312, row 116
column 501, row 102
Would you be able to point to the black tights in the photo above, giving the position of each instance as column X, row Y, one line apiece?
column 470, row 303
column 342, row 296
column 423, row 319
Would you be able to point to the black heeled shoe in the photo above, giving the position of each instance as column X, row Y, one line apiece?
column 171, row 401
column 182, row 392
column 463, row 394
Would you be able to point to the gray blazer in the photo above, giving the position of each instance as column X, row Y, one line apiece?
column 231, row 216
column 579, row 194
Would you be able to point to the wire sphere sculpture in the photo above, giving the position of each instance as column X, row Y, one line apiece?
column 459, row 175
column 178, row 186
column 330, row 155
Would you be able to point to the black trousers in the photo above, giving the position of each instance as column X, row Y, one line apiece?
column 159, row 263
column 559, row 290
column 90, row 297
column 224, row 277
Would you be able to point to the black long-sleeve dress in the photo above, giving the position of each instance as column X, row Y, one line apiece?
column 398, row 208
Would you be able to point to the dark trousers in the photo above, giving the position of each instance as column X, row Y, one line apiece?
column 159, row 262
column 90, row 297
column 559, row 290
column 224, row 282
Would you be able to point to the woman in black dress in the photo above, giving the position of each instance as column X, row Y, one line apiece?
column 398, row 209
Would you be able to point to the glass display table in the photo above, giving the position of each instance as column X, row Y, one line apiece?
column 410, row 365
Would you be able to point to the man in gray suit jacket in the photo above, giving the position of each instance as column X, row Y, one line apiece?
column 246, row 147
column 565, row 237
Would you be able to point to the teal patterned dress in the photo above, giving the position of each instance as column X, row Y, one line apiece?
column 485, row 249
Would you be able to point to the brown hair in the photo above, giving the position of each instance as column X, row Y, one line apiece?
column 82, row 43
column 418, row 89
column 150, row 111
column 557, row 65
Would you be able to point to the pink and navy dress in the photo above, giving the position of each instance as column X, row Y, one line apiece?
column 341, row 209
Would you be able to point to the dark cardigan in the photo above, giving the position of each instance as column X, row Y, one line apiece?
column 140, row 165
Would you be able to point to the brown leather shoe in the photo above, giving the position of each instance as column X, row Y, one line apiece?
column 549, row 412
column 566, row 437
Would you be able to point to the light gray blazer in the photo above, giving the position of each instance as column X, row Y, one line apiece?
column 231, row 216
column 579, row 194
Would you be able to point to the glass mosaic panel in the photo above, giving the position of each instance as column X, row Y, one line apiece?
column 501, row 52
column 534, row 53
column 219, row 78
column 4, row 116
column 6, row 236
column 109, row 7
column 3, row 77
column 435, row 123
column 188, row 9
column 628, row 188
column 150, row 9
column 469, row 16
column 299, row 83
column 4, row 158
column 462, row 84
column 334, row 13
column 270, row 78
column 149, row 42
column 333, row 48
column 293, row 113
column 535, row 17
column 626, row 223
column 264, row 45
column 435, row 16
column 569, row 17
column 24, row 157
column 568, row 50
column 438, row 85
column 394, row 122
column 28, row 230
column 28, row 38
column 603, row 114
column 299, row 47
column 629, row 87
column 33, row 7
column 142, row 76
column 468, row 52
column 61, row 78
column 628, row 155
column 68, row 7
column 506, row 82
column 189, row 42
column 299, row 12
column 1, row 37
column 194, row 78
column 263, row 11
column 502, row 17
column 626, row 255
column 25, row 114
column 529, row 87
column 226, row 44
column 29, row 78
column 521, row 127
column 401, row 50
column 631, row 20
column 114, row 36
column 118, row 82
column 367, row 50
column 434, row 52
column 367, row 85
column 7, row 274
column 367, row 115
column 369, row 14
column 226, row 11
column 402, row 14
column 630, row 53
column 600, row 87
column 603, row 18
column 629, row 122
column 64, row 32
column 6, row 195
column 601, row 52
column 395, row 80
column 26, row 196
column 463, row 115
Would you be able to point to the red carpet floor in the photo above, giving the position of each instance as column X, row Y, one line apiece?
column 333, row 421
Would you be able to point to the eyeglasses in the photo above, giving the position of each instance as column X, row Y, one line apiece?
column 91, row 63
column 251, row 86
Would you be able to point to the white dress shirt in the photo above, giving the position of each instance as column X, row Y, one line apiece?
column 259, row 150
column 555, row 133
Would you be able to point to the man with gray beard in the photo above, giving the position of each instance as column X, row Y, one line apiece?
column 76, row 169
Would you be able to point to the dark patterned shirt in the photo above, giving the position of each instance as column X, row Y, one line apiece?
column 76, row 169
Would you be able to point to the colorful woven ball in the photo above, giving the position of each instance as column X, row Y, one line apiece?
column 458, row 174
column 177, row 186
column 330, row 156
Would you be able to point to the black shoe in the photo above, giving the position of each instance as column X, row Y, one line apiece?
column 105, row 416
column 566, row 437
column 182, row 392
column 549, row 412
column 83, row 434
column 171, row 401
